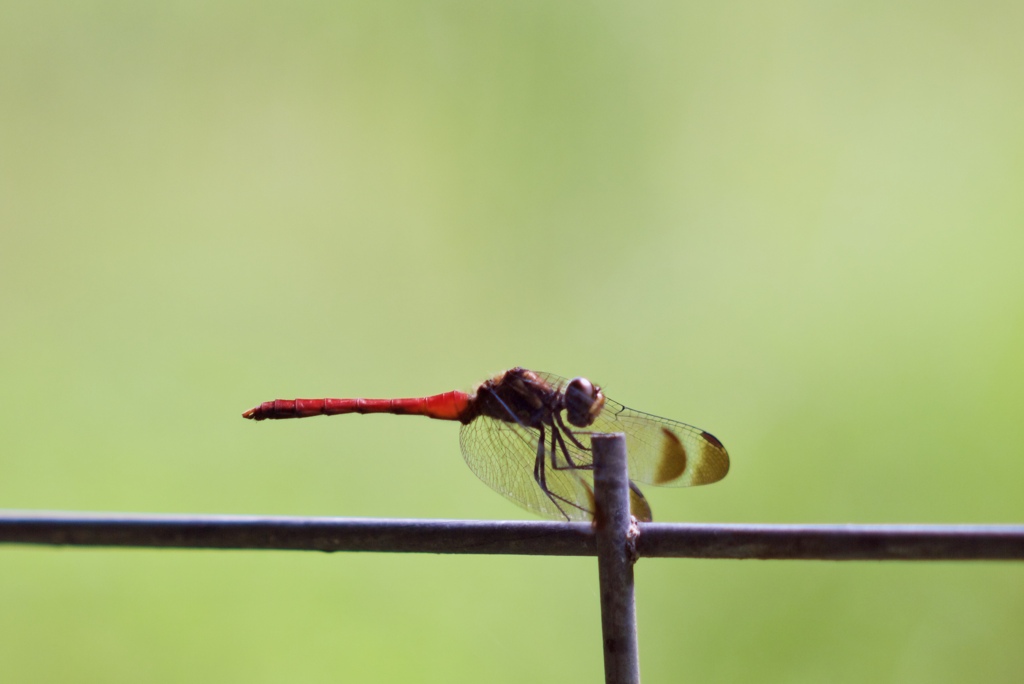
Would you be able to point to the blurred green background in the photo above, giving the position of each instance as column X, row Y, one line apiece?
column 799, row 226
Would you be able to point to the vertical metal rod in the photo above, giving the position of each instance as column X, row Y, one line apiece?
column 615, row 556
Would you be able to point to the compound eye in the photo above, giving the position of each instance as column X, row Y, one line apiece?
column 582, row 402
column 582, row 387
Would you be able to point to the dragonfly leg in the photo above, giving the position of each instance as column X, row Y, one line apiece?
column 570, row 464
column 638, row 502
column 540, row 475
column 554, row 447
column 570, row 434
column 538, row 465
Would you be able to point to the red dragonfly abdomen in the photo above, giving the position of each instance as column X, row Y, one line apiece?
column 452, row 405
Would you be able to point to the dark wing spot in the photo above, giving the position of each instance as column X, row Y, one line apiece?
column 710, row 438
column 713, row 462
column 591, row 502
column 638, row 506
column 673, row 458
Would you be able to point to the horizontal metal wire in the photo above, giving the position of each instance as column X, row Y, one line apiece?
column 833, row 542
column 665, row 540
column 297, row 534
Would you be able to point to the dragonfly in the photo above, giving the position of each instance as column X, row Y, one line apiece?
column 527, row 433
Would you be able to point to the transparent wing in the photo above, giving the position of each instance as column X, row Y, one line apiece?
column 504, row 454
column 662, row 452
column 665, row 452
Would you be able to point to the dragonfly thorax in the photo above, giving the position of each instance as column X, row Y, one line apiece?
column 522, row 396
column 518, row 396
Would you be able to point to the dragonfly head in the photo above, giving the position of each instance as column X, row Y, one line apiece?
column 583, row 402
